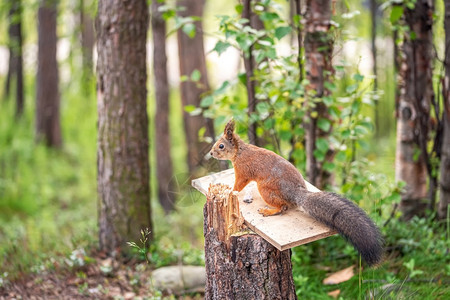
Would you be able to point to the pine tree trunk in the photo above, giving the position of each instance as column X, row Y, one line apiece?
column 15, row 69
column 164, row 171
column 444, row 187
column 416, row 93
column 48, row 127
column 192, row 57
column 241, row 265
column 318, row 53
column 123, row 142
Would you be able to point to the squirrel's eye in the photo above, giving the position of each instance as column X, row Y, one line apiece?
column 221, row 146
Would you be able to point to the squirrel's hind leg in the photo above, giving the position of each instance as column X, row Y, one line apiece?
column 272, row 199
column 269, row 211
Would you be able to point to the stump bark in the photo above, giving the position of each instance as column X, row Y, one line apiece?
column 239, row 263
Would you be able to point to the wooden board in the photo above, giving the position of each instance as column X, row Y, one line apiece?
column 290, row 229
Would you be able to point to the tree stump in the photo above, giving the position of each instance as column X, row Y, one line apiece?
column 239, row 263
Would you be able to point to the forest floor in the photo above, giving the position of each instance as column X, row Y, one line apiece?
column 101, row 278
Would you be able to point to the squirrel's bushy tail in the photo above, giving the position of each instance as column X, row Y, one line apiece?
column 346, row 218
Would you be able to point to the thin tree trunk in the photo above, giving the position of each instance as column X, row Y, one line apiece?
column 444, row 186
column 15, row 69
column 298, row 11
column 373, row 37
column 164, row 171
column 87, row 39
column 250, row 66
column 318, row 53
column 240, row 266
column 416, row 94
column 123, row 142
column 192, row 57
column 48, row 127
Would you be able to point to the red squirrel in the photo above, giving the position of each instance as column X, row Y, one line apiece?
column 281, row 186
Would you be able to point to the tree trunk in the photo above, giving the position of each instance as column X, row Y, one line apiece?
column 250, row 65
column 444, row 187
column 164, row 171
column 123, row 142
column 192, row 57
column 373, row 37
column 416, row 93
column 48, row 127
column 15, row 54
column 318, row 53
column 87, row 40
column 241, row 266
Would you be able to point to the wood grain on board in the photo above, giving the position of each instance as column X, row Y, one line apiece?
column 290, row 229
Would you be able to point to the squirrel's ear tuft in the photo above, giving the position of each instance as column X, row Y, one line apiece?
column 229, row 129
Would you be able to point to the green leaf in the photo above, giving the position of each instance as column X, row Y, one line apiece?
column 281, row 32
column 207, row 101
column 322, row 145
column 196, row 112
column 361, row 130
column 269, row 16
column 189, row 29
column 351, row 88
column 221, row 47
column 242, row 78
column 184, row 78
column 358, row 77
column 222, row 88
column 324, row 124
column 239, row 8
column 329, row 166
column 262, row 107
column 396, row 13
column 346, row 134
column 190, row 108
column 285, row 135
column 329, row 86
column 327, row 100
column 195, row 75
column 319, row 155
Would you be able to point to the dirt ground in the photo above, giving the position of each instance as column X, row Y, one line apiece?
column 100, row 279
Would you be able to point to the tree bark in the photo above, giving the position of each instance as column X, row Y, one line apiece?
column 123, row 142
column 444, row 187
column 192, row 57
column 250, row 65
column 87, row 39
column 416, row 94
column 241, row 265
column 15, row 68
column 164, row 171
column 318, row 53
column 48, row 127
column 373, row 37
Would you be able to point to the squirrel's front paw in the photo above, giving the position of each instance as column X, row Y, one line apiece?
column 262, row 211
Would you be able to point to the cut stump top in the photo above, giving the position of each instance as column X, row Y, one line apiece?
column 290, row 229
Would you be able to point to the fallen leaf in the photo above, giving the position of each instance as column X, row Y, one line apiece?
column 334, row 293
column 340, row 276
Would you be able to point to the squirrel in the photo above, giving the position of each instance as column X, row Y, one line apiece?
column 282, row 186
